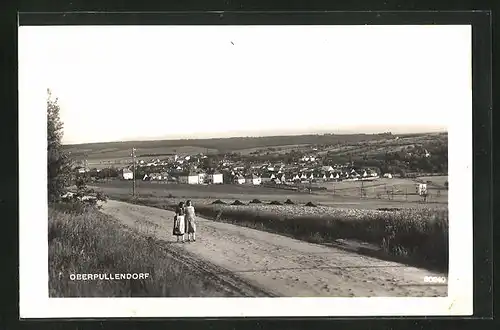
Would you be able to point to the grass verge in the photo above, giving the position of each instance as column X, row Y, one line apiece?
column 417, row 237
column 82, row 240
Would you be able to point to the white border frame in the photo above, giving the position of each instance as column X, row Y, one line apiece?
column 33, row 246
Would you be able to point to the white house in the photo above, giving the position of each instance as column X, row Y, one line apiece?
column 388, row 175
column 327, row 168
column 127, row 174
column 201, row 177
column 253, row 179
column 189, row 178
column 239, row 179
column 216, row 178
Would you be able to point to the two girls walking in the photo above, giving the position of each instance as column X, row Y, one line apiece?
column 184, row 222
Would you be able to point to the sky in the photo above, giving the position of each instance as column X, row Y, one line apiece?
column 118, row 83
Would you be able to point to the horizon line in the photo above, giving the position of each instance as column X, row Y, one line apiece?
column 247, row 136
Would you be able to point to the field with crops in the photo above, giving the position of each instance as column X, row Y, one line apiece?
column 416, row 235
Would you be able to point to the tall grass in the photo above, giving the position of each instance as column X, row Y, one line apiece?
column 418, row 236
column 84, row 241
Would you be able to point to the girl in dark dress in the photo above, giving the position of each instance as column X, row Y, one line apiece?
column 179, row 222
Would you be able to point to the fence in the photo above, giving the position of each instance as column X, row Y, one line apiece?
column 382, row 192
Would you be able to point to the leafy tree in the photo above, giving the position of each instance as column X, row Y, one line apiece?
column 59, row 174
column 59, row 164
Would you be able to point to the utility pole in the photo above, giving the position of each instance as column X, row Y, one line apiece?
column 133, row 172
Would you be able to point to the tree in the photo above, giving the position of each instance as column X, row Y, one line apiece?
column 59, row 164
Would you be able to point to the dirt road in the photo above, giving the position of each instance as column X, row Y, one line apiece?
column 280, row 265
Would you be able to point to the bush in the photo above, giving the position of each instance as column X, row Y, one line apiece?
column 255, row 201
column 218, row 202
column 275, row 203
column 311, row 204
column 289, row 202
column 237, row 202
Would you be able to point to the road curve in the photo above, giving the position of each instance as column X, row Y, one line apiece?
column 282, row 266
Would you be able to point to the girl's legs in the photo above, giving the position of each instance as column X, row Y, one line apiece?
column 194, row 236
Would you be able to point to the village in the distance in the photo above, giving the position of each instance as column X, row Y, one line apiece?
column 294, row 167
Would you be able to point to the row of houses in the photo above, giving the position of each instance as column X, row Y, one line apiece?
column 183, row 177
column 283, row 177
column 201, row 178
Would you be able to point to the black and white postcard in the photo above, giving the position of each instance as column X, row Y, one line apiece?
column 245, row 170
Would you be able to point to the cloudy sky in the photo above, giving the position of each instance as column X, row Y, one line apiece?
column 157, row 82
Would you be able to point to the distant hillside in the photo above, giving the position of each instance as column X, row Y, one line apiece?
column 220, row 144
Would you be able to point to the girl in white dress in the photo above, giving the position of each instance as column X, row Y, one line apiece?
column 190, row 223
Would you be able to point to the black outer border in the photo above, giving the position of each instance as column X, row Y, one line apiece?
column 296, row 14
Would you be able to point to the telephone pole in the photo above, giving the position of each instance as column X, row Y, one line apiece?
column 133, row 172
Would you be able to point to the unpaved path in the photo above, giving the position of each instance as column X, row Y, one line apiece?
column 280, row 265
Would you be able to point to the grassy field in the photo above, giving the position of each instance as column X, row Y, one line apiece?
column 401, row 189
column 113, row 150
column 346, row 196
column 434, row 182
column 83, row 240
column 98, row 155
column 418, row 236
column 278, row 149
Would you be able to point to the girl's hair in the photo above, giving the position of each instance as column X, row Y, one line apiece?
column 180, row 208
column 188, row 202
